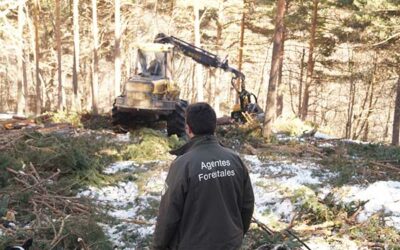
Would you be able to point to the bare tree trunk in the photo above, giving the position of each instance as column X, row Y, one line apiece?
column 270, row 108
column 301, row 81
column 61, row 100
column 387, row 123
column 171, row 7
column 25, row 83
column 37, row 59
column 217, row 84
column 95, row 64
column 310, row 65
column 279, row 98
column 21, row 67
column 117, row 49
column 198, row 67
column 396, row 116
column 87, row 85
column 75, row 69
column 240, row 85
column 193, row 90
column 365, row 124
column 350, row 106
column 367, row 104
column 366, row 131
column 292, row 106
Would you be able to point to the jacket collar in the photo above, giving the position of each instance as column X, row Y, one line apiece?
column 192, row 143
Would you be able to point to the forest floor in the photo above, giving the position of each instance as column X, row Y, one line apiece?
column 79, row 184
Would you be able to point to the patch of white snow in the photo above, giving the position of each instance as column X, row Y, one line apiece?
column 119, row 166
column 380, row 196
column 123, row 137
column 323, row 136
column 119, row 195
column 6, row 116
column 271, row 180
column 133, row 210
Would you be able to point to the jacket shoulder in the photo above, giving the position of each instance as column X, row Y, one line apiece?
column 230, row 151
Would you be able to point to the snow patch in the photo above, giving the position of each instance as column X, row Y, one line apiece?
column 293, row 175
column 326, row 145
column 381, row 196
column 272, row 180
column 119, row 166
column 128, row 206
column 319, row 135
column 6, row 116
column 155, row 184
column 123, row 137
column 119, row 195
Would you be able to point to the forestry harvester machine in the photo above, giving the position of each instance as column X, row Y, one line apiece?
column 151, row 95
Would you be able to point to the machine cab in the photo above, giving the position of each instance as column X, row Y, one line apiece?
column 152, row 60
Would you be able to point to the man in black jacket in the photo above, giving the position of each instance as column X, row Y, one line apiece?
column 208, row 199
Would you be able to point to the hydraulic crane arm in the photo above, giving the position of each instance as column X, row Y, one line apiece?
column 203, row 57
column 211, row 60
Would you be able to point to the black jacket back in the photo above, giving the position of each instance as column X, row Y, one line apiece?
column 208, row 199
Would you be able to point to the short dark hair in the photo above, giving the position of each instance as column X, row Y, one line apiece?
column 201, row 118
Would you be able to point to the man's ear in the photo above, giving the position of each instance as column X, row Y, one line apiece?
column 188, row 130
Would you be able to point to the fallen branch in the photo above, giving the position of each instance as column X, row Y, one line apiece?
column 264, row 227
column 58, row 235
column 272, row 233
column 297, row 238
column 82, row 243
column 387, row 165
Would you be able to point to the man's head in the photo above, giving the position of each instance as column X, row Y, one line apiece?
column 200, row 119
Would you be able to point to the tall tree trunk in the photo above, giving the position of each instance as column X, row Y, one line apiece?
column 301, row 81
column 366, row 105
column 350, row 106
column 216, row 91
column 61, row 100
column 25, row 83
column 270, row 108
column 385, row 133
column 75, row 69
column 364, row 129
column 396, row 116
column 171, row 7
column 198, row 67
column 117, row 49
column 95, row 63
column 240, row 85
column 310, row 64
column 21, row 67
column 279, row 97
column 38, row 109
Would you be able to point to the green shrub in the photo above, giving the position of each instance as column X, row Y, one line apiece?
column 80, row 158
column 150, row 145
column 73, row 118
column 6, row 162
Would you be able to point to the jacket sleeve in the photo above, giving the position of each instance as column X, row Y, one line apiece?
column 248, row 201
column 171, row 207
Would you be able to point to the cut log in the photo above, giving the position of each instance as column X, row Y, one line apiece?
column 225, row 120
